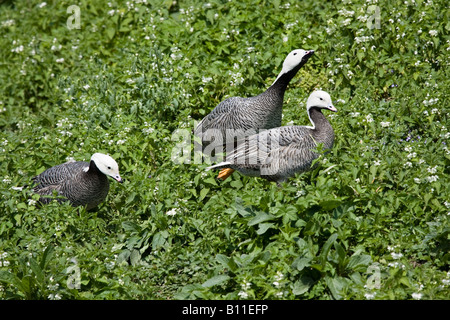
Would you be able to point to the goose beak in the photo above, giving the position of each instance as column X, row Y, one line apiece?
column 308, row 54
column 332, row 108
column 118, row 179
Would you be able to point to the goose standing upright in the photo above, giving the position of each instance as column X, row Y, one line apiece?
column 82, row 183
column 236, row 117
column 278, row 153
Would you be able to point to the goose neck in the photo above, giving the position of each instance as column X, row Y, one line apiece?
column 283, row 79
column 93, row 169
column 318, row 120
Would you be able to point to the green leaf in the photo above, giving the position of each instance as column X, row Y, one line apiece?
column 203, row 193
column 260, row 217
column 326, row 248
column 330, row 204
column 263, row 227
column 110, row 32
column 130, row 226
column 215, row 281
column 237, row 184
column 359, row 262
column 158, row 240
column 302, row 285
column 337, row 286
column 22, row 205
column 36, row 270
column 226, row 262
column 301, row 262
column 47, row 257
column 135, row 257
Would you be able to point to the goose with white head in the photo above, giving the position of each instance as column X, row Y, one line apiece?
column 82, row 183
column 279, row 153
column 244, row 116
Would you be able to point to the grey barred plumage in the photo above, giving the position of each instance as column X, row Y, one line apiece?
column 82, row 183
column 278, row 153
column 253, row 113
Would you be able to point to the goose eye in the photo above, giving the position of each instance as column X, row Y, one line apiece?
column 109, row 168
column 295, row 53
column 321, row 98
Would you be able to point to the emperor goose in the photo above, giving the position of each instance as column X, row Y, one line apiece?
column 82, row 183
column 278, row 153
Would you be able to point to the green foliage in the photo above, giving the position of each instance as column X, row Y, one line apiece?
column 371, row 221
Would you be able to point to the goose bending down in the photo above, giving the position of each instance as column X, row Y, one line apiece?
column 237, row 117
column 82, row 183
column 278, row 153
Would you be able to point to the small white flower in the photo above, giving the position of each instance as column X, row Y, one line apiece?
column 60, row 60
column 346, row 13
column 385, row 124
column 369, row 118
column 300, row 193
column 279, row 276
column 432, row 169
column 172, row 212
column 416, row 180
column 206, row 79
column 446, row 282
column 17, row 49
column 41, row 5
column 246, row 285
column 416, row 296
column 53, row 296
column 8, row 23
column 370, row 296
column 433, row 33
column 346, row 22
column 243, row 294
column 396, row 255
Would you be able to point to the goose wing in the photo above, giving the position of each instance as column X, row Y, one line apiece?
column 54, row 177
column 222, row 116
column 269, row 144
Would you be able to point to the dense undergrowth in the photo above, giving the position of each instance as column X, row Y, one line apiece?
column 371, row 222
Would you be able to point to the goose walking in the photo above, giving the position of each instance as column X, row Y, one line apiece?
column 237, row 117
column 82, row 183
column 278, row 153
